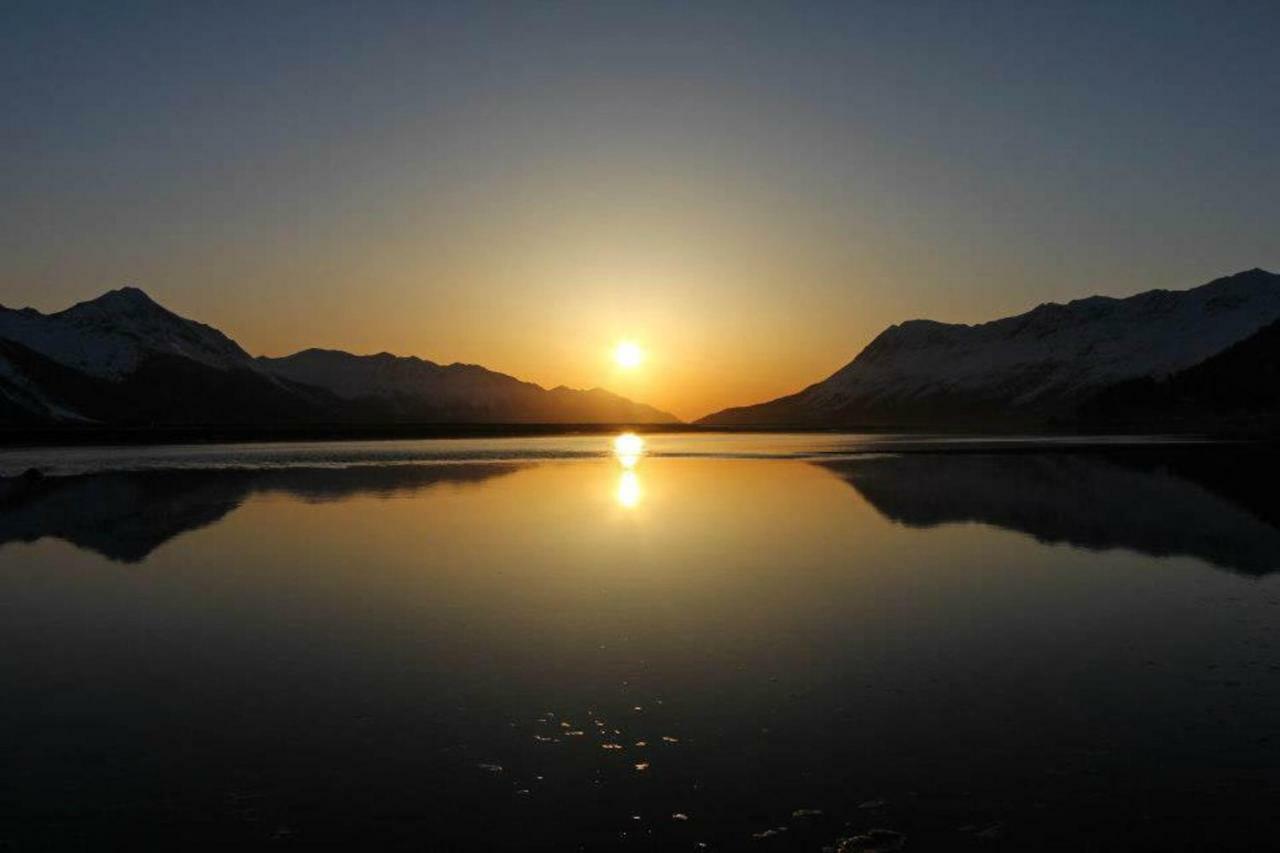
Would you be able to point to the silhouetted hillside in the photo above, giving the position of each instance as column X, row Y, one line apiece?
column 1032, row 370
column 124, row 360
column 1239, row 388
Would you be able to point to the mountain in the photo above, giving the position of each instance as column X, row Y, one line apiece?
column 109, row 337
column 162, row 389
column 1034, row 368
column 123, row 359
column 1237, row 388
column 407, row 388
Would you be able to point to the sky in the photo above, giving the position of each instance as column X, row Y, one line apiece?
column 751, row 191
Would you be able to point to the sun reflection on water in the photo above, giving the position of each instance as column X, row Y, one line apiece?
column 629, row 493
column 628, row 448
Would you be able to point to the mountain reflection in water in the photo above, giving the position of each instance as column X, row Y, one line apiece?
column 126, row 515
column 642, row 650
column 1214, row 505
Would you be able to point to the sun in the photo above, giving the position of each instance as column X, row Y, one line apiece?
column 628, row 355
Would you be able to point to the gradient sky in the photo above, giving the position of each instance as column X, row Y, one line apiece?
column 753, row 191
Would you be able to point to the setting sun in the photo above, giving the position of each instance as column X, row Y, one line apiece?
column 628, row 354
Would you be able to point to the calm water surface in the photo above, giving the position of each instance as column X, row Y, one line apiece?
column 743, row 642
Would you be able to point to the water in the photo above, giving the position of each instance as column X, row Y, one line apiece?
column 747, row 642
column 344, row 454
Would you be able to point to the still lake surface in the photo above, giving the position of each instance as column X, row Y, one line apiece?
column 724, row 642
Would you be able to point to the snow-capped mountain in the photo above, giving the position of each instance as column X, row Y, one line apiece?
column 109, row 336
column 124, row 359
column 1030, row 367
column 418, row 389
column 1237, row 389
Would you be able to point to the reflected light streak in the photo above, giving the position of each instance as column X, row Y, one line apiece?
column 628, row 493
column 628, row 448
column 628, row 444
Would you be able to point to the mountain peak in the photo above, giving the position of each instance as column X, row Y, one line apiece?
column 132, row 296
column 109, row 336
column 122, row 300
column 130, row 293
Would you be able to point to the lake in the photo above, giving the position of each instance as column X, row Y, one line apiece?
column 762, row 642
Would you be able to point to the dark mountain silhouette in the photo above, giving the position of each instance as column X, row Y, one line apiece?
column 1035, row 369
column 1213, row 504
column 122, row 359
column 1239, row 388
column 406, row 388
column 125, row 515
column 160, row 388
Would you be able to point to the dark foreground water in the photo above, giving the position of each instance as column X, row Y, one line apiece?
column 763, row 643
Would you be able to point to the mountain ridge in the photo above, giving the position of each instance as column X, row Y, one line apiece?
column 124, row 359
column 408, row 386
column 1027, row 369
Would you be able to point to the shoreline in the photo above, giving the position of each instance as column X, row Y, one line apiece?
column 16, row 437
column 22, row 467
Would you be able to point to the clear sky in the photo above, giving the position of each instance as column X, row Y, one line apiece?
column 751, row 191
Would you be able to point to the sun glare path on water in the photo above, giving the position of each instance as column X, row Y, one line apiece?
column 628, row 448
column 629, row 489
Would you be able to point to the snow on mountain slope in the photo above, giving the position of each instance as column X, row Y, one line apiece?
column 122, row 358
column 1040, row 361
column 419, row 388
column 19, row 400
column 24, row 399
column 1056, row 350
column 107, row 337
